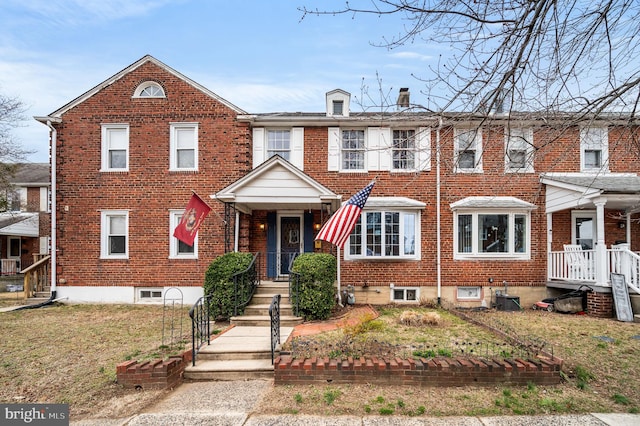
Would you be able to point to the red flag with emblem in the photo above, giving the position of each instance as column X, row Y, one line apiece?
column 194, row 214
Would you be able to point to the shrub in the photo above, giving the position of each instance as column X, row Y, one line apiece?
column 316, row 294
column 218, row 282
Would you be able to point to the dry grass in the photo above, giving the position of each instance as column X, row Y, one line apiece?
column 601, row 373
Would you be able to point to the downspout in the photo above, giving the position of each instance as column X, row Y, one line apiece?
column 438, row 236
column 52, row 297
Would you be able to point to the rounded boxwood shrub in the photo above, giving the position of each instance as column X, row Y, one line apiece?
column 317, row 293
column 218, row 282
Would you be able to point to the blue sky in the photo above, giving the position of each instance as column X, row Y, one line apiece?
column 257, row 54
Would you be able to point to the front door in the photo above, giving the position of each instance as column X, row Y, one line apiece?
column 584, row 229
column 290, row 242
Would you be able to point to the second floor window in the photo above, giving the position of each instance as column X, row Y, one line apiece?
column 404, row 149
column 115, row 147
column 468, row 150
column 279, row 143
column 184, row 146
column 518, row 150
column 353, row 149
column 594, row 149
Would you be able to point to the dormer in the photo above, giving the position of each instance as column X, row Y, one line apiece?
column 338, row 103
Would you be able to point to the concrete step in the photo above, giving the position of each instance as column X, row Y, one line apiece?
column 36, row 300
column 265, row 299
column 230, row 370
column 263, row 310
column 273, row 288
column 264, row 321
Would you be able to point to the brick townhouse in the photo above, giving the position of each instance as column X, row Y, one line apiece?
column 463, row 204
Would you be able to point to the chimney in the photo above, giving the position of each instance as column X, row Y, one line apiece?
column 403, row 98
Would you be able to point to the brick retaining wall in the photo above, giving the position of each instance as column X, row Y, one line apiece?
column 155, row 374
column 417, row 372
column 600, row 305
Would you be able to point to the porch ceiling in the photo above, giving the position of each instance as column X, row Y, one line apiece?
column 567, row 191
column 277, row 184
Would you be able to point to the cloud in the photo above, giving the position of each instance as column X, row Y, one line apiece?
column 411, row 56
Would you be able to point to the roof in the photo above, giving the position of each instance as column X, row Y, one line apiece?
column 19, row 224
column 605, row 183
column 492, row 203
column 32, row 174
column 148, row 58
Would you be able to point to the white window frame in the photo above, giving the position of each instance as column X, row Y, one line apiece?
column 596, row 139
column 105, row 215
column 175, row 129
column 107, row 147
column 517, row 138
column 296, row 145
column 404, row 216
column 465, row 293
column 149, row 90
column 475, row 145
column 405, row 291
column 413, row 150
column 174, row 244
column 475, row 252
column 343, row 150
column 151, row 290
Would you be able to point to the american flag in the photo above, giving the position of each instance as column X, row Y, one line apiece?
column 340, row 225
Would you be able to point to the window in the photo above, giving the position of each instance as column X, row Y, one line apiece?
column 594, row 149
column 353, row 149
column 468, row 150
column 384, row 235
column 287, row 143
column 405, row 294
column 114, row 234
column 404, row 149
column 518, row 150
column 149, row 294
column 338, row 107
column 279, row 143
column 115, row 147
column 469, row 293
column 492, row 233
column 178, row 249
column 149, row 89
column 184, row 146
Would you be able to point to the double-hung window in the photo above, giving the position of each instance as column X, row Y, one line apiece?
column 518, row 150
column 468, row 150
column 183, row 147
column 114, row 234
column 594, row 149
column 115, row 148
column 386, row 234
column 353, row 150
column 279, row 143
column 404, row 150
column 177, row 248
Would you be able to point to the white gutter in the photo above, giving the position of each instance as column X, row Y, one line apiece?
column 54, row 245
column 438, row 236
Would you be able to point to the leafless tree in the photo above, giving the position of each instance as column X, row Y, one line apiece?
column 542, row 56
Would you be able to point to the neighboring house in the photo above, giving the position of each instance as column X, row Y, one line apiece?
column 462, row 203
column 25, row 224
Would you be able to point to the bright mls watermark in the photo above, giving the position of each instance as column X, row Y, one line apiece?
column 34, row 414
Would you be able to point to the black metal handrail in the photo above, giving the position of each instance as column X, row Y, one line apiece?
column 245, row 284
column 294, row 292
column 274, row 314
column 200, row 325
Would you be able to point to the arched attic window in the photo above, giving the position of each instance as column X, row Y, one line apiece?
column 149, row 89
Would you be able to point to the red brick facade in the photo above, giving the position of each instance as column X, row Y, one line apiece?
column 148, row 190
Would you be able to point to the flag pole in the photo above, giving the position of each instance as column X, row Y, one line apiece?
column 339, row 292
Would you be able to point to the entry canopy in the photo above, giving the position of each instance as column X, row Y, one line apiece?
column 19, row 224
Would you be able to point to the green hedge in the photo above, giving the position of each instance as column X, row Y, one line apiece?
column 218, row 282
column 317, row 294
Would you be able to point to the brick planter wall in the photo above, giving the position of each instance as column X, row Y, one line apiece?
column 156, row 374
column 414, row 372
column 600, row 304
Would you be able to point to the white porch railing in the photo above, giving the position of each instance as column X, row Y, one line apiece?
column 581, row 266
column 9, row 266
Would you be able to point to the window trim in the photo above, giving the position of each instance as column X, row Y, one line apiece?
column 173, row 147
column 150, row 298
column 527, row 134
column 138, row 93
column 104, row 234
column 402, row 257
column 404, row 289
column 463, row 298
column 363, row 150
column 105, row 147
column 415, row 150
column 475, row 253
column 588, row 144
column 477, row 145
column 174, row 243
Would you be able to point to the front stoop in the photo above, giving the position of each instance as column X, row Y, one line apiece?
column 244, row 351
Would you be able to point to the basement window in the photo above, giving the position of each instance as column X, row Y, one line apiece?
column 405, row 294
column 468, row 293
column 149, row 294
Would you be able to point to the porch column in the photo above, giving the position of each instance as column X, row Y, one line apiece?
column 601, row 248
column 549, row 241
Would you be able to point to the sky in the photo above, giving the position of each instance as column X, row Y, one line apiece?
column 260, row 55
